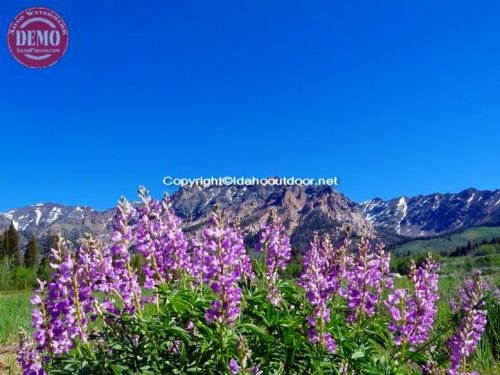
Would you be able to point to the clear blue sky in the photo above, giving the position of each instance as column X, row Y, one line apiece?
column 393, row 97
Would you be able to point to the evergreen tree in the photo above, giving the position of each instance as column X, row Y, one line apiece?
column 3, row 250
column 12, row 247
column 31, row 255
column 50, row 242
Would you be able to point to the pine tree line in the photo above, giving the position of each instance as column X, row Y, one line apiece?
column 473, row 246
column 10, row 247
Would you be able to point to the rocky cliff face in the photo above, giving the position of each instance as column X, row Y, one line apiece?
column 302, row 209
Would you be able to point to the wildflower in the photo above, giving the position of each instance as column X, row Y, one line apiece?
column 28, row 357
column 412, row 315
column 223, row 268
column 60, row 313
column 65, row 320
column 123, row 279
column 234, row 368
column 366, row 276
column 96, row 265
column 245, row 264
column 161, row 240
column 93, row 270
column 198, row 255
column 472, row 325
column 39, row 318
column 320, row 285
column 275, row 246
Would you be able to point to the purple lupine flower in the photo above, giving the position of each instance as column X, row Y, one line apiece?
column 93, row 273
column 430, row 368
column 234, row 368
column 244, row 261
column 160, row 239
column 274, row 243
column 66, row 322
column 413, row 314
column 223, row 268
column 28, row 357
column 59, row 316
column 123, row 278
column 40, row 318
column 198, row 255
column 366, row 277
column 320, row 283
column 340, row 263
column 488, row 286
column 473, row 323
column 97, row 263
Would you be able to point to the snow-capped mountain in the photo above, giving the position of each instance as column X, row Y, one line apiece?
column 302, row 209
column 71, row 221
column 426, row 215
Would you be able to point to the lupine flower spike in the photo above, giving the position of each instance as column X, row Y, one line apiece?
column 124, row 280
column 366, row 277
column 276, row 250
column 413, row 313
column 223, row 269
column 472, row 325
column 319, row 288
column 28, row 356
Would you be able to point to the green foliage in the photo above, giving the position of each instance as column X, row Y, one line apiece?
column 137, row 262
column 488, row 249
column 401, row 264
column 31, row 257
column 448, row 243
column 22, row 278
column 13, row 277
column 44, row 271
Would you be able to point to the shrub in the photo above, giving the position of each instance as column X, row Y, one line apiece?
column 205, row 307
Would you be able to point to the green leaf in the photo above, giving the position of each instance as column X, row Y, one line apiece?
column 358, row 354
column 252, row 328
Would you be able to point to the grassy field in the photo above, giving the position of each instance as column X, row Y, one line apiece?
column 449, row 243
column 15, row 312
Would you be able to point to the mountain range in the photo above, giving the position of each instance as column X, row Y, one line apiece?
column 303, row 210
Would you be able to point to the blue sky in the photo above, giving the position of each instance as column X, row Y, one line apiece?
column 392, row 97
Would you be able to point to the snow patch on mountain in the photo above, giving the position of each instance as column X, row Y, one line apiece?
column 402, row 209
column 38, row 214
column 53, row 215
